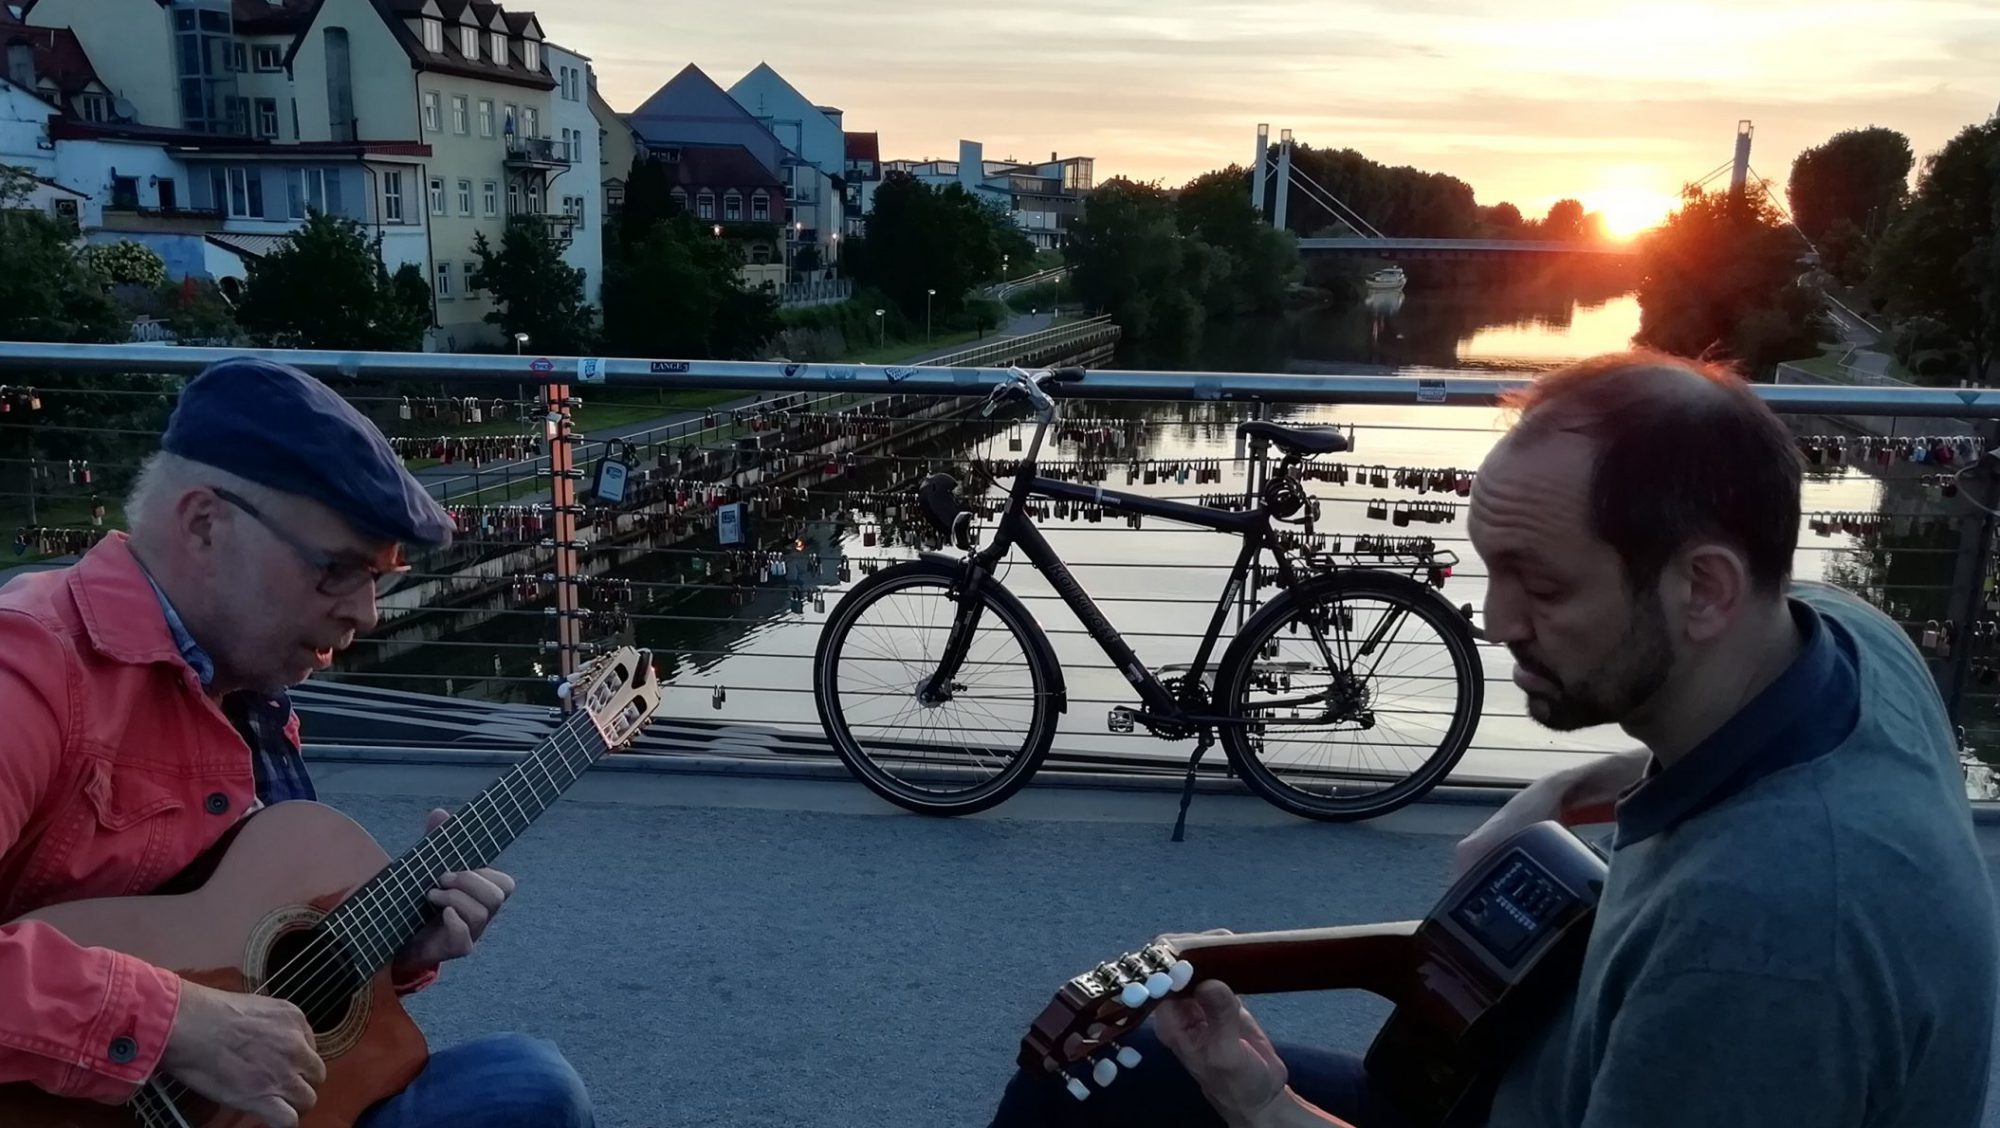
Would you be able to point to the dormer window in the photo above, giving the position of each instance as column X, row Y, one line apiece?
column 468, row 42
column 500, row 47
column 434, row 35
column 531, row 54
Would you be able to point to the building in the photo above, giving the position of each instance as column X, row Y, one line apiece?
column 815, row 168
column 578, row 188
column 1042, row 199
column 864, row 173
column 731, row 191
column 618, row 147
column 225, row 122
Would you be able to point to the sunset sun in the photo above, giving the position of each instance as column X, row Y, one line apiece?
column 1629, row 211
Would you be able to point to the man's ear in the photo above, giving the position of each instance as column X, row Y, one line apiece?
column 1717, row 583
column 197, row 519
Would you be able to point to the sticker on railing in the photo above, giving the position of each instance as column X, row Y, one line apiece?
column 590, row 370
column 664, row 367
column 541, row 364
column 895, row 374
column 1430, row 391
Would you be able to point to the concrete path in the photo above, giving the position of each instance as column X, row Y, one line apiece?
column 721, row 951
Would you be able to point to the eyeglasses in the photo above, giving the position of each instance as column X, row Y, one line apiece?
column 338, row 575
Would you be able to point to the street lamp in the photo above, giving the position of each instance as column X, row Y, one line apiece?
column 520, row 342
column 928, row 295
column 879, row 329
column 718, row 231
column 1003, row 268
column 835, row 255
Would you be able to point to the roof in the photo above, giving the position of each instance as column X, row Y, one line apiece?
column 730, row 166
column 452, row 60
column 59, row 56
column 284, row 17
column 255, row 246
column 864, row 147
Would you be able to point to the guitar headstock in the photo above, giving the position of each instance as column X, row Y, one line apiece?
column 1083, row 1023
column 619, row 690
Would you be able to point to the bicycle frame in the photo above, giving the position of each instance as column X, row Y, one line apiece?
column 1016, row 528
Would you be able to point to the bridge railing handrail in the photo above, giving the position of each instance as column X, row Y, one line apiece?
column 1022, row 343
column 933, row 378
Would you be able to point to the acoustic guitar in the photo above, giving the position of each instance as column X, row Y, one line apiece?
column 300, row 903
column 1469, row 982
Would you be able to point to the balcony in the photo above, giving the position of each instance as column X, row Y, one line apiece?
column 535, row 152
column 561, row 228
column 118, row 217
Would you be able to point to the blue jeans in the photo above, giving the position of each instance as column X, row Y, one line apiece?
column 505, row 1081
column 1158, row 1093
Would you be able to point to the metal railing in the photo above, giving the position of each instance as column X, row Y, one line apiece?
column 836, row 459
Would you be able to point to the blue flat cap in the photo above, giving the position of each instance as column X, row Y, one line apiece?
column 278, row 427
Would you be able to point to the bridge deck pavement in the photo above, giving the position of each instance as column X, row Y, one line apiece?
column 725, row 951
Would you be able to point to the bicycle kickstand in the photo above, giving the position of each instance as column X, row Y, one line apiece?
column 1203, row 742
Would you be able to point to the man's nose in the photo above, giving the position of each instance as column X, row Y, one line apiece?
column 358, row 607
column 1506, row 614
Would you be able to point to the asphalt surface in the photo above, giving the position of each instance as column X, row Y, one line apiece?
column 729, row 951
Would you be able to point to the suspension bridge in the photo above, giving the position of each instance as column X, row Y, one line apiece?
column 1365, row 240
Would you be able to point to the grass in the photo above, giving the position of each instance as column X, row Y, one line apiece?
column 904, row 350
column 56, row 512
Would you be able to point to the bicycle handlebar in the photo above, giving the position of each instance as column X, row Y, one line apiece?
column 1028, row 385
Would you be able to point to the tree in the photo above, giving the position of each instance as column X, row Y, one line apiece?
column 1126, row 255
column 673, row 290
column 1252, row 263
column 1502, row 219
column 1941, row 257
column 1858, row 176
column 536, row 291
column 1723, row 277
column 326, row 288
column 921, row 238
column 125, row 262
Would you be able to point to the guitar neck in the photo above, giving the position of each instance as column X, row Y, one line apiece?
column 379, row 917
column 1380, row 958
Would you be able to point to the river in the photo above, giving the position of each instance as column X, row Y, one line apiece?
column 743, row 654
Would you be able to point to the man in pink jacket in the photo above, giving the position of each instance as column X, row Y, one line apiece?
column 143, row 692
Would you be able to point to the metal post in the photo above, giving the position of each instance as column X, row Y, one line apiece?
column 1284, row 179
column 1257, row 452
column 1739, row 173
column 1968, row 578
column 1259, row 167
column 562, row 497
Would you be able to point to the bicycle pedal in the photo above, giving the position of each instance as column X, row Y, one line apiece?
column 1119, row 720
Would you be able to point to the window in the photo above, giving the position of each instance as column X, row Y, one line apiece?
column 268, row 57
column 500, row 47
column 464, row 196
column 760, row 207
column 267, row 117
column 704, row 204
column 489, row 199
column 434, row 36
column 468, row 43
column 239, row 193
column 680, row 197
column 507, row 119
column 470, row 269
column 437, row 195
column 531, row 122
column 168, row 199
column 732, row 206
column 444, row 281
column 534, row 197
column 239, row 57
column 392, row 197
column 461, row 121
column 569, row 145
column 563, row 80
column 94, row 107
column 433, row 121
column 531, row 54
column 125, row 193
column 306, row 189
column 513, row 198
column 486, row 117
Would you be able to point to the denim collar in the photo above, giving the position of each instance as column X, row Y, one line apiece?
column 191, row 651
column 1806, row 713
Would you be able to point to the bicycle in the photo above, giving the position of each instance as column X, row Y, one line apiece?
column 958, row 718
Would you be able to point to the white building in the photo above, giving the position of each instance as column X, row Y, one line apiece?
column 816, row 165
column 1041, row 198
column 578, row 189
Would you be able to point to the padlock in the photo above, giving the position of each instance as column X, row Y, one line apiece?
column 720, row 695
column 1929, row 640
column 403, row 411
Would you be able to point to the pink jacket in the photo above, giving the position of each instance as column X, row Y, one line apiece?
column 116, row 772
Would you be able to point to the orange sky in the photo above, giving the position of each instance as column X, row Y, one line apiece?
column 1615, row 102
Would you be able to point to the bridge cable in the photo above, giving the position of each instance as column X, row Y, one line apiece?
column 1352, row 218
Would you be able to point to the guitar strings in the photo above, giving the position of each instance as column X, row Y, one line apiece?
column 321, row 977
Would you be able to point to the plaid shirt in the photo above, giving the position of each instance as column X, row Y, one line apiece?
column 259, row 720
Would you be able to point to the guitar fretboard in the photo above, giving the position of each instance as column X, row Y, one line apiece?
column 381, row 916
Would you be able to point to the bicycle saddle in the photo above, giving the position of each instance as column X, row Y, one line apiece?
column 1301, row 440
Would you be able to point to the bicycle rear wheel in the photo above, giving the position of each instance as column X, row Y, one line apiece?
column 1359, row 692
column 955, row 756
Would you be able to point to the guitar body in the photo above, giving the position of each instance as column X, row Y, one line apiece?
column 281, row 872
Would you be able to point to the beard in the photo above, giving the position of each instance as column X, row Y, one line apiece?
column 1635, row 670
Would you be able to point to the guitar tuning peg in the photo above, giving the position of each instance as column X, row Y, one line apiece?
column 1129, row 1057
column 1077, row 1089
column 1133, row 995
column 1104, row 1072
column 1179, row 976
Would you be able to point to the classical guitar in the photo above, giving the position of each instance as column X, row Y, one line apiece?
column 1469, row 982
column 302, row 904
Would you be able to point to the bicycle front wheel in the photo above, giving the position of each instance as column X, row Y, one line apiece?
column 1356, row 693
column 959, row 751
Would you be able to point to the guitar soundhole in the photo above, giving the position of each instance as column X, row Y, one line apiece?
column 314, row 972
